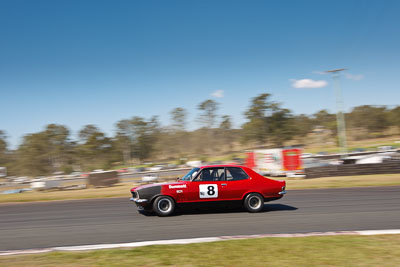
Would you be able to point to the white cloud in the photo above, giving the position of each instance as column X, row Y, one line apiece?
column 308, row 83
column 218, row 94
column 355, row 77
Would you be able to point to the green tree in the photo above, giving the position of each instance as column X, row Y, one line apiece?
column 207, row 118
column 373, row 119
column 59, row 148
column 226, row 123
column 33, row 155
column 208, row 113
column 394, row 117
column 95, row 148
column 226, row 130
column 302, row 125
column 178, row 118
column 123, row 139
column 3, row 148
column 87, row 131
column 137, row 137
column 326, row 120
column 267, row 122
column 280, row 125
column 144, row 135
column 177, row 138
column 256, row 129
column 45, row 152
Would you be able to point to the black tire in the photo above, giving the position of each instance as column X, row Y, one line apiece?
column 253, row 202
column 163, row 206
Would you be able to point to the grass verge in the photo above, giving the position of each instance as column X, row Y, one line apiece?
column 122, row 190
column 346, row 250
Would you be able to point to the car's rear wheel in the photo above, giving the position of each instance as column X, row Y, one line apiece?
column 253, row 202
column 163, row 206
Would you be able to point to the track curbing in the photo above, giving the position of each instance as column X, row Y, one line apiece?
column 192, row 241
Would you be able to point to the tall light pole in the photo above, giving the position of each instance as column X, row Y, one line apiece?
column 341, row 125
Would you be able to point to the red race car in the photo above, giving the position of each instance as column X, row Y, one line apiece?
column 210, row 185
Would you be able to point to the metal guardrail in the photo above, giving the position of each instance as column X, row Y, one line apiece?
column 391, row 166
column 339, row 155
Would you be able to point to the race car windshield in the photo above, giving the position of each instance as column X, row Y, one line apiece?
column 189, row 175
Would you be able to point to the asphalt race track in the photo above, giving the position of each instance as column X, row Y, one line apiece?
column 84, row 222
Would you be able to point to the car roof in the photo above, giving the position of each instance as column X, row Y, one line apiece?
column 221, row 166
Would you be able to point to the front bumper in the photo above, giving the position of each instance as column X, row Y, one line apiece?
column 140, row 202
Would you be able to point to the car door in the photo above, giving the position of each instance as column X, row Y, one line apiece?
column 237, row 181
column 209, row 185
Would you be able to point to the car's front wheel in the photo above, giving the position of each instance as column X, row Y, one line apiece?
column 163, row 206
column 254, row 202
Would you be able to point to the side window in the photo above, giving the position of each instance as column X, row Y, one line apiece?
column 211, row 174
column 235, row 174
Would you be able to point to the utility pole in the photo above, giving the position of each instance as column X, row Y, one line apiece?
column 341, row 125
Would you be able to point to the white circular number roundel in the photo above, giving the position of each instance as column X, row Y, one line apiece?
column 208, row 190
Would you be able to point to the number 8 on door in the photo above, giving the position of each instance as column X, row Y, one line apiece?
column 208, row 190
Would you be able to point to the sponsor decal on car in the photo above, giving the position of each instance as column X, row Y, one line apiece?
column 177, row 186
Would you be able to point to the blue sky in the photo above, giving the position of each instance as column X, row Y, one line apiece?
column 81, row 62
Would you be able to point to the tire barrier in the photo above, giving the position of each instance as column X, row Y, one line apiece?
column 105, row 178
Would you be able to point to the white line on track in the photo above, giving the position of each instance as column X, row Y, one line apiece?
column 192, row 240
